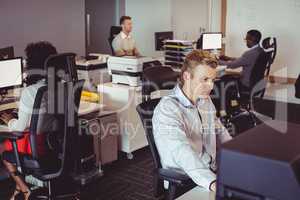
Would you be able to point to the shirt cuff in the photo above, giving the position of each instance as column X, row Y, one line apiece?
column 221, row 62
column 209, row 181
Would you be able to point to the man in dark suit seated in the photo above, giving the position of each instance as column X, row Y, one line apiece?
column 248, row 59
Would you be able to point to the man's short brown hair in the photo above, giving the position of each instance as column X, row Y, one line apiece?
column 196, row 58
column 123, row 18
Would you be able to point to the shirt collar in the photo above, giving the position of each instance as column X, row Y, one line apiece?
column 124, row 36
column 255, row 46
column 178, row 93
column 181, row 97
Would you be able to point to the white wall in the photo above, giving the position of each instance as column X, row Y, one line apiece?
column 149, row 16
column 184, row 17
column 279, row 18
column 188, row 17
column 216, row 14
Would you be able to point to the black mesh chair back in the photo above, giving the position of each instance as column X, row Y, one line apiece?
column 44, row 123
column 145, row 111
column 158, row 78
column 271, row 51
column 178, row 183
column 114, row 31
column 61, row 66
column 258, row 80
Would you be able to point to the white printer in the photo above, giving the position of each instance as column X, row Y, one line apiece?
column 128, row 69
column 93, row 69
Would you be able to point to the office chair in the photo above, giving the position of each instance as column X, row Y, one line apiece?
column 114, row 31
column 157, row 78
column 271, row 50
column 261, row 71
column 178, row 183
column 54, row 108
column 258, row 83
column 57, row 161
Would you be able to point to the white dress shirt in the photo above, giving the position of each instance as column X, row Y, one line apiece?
column 186, row 136
column 123, row 42
column 25, row 107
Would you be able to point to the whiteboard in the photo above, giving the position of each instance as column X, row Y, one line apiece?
column 275, row 18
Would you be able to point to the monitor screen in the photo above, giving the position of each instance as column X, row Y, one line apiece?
column 6, row 53
column 11, row 73
column 212, row 41
column 160, row 37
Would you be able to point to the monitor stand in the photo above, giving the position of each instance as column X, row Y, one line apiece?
column 216, row 52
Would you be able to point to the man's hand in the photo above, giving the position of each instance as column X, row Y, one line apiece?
column 213, row 187
column 225, row 58
column 6, row 117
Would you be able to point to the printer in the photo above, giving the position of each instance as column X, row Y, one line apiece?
column 128, row 69
column 261, row 164
column 93, row 69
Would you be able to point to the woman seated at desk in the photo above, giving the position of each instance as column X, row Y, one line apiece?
column 36, row 54
column 185, row 127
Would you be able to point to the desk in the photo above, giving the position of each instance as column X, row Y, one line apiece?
column 197, row 193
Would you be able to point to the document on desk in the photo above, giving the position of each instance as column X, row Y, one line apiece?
column 89, row 107
column 4, row 128
column 236, row 70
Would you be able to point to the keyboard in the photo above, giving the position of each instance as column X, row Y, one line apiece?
column 12, row 111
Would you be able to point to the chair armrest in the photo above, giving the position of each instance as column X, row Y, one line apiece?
column 13, row 135
column 173, row 176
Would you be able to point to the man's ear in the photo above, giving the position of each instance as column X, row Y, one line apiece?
column 186, row 76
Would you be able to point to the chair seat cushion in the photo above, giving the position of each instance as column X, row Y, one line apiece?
column 41, row 168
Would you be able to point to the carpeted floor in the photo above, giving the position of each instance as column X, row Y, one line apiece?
column 123, row 180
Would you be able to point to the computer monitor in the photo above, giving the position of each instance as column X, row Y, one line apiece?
column 7, row 52
column 160, row 37
column 11, row 74
column 211, row 41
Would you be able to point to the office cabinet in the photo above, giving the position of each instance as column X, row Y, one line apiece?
column 124, row 100
column 104, row 129
column 108, row 139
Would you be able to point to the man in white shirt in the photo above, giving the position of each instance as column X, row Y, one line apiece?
column 185, row 127
column 124, row 44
